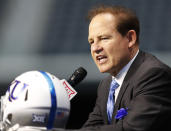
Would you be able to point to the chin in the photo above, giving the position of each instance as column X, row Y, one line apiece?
column 107, row 69
column 103, row 69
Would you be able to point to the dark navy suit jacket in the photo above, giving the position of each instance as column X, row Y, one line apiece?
column 146, row 92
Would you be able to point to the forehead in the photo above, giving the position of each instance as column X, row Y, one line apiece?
column 103, row 18
column 102, row 23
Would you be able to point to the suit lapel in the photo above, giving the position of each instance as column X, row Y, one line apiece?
column 135, row 65
column 118, row 101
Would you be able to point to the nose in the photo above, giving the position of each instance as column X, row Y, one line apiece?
column 96, row 48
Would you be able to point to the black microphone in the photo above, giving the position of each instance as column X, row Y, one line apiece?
column 77, row 76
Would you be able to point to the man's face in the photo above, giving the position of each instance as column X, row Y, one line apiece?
column 109, row 49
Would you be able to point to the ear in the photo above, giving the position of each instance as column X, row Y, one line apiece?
column 132, row 37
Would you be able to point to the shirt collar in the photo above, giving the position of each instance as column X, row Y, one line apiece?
column 121, row 75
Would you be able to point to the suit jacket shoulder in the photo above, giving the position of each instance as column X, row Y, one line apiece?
column 145, row 92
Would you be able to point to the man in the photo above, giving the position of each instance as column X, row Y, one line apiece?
column 143, row 93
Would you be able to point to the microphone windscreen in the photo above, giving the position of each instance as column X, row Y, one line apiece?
column 77, row 76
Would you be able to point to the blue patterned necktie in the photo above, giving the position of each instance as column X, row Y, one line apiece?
column 111, row 99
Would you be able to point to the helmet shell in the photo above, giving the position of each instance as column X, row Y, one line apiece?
column 37, row 99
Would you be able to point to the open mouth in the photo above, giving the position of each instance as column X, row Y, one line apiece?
column 101, row 59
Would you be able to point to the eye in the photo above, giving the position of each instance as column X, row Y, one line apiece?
column 91, row 42
column 104, row 38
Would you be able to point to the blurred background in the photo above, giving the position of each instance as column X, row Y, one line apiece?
column 51, row 35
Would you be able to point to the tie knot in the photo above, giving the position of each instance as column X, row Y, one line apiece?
column 114, row 85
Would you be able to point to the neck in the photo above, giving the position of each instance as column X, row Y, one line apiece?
column 133, row 52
